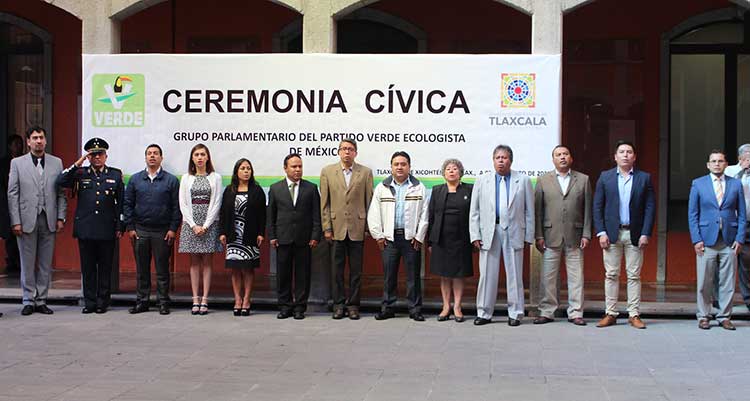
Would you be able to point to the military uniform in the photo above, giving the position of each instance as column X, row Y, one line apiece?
column 98, row 219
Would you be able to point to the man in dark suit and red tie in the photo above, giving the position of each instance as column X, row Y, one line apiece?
column 717, row 219
column 293, row 229
column 624, row 210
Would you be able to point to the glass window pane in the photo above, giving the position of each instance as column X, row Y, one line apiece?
column 696, row 125
column 720, row 32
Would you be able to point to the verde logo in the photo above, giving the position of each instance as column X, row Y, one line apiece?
column 118, row 100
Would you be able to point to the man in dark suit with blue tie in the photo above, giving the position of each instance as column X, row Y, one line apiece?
column 624, row 210
column 716, row 216
column 294, row 229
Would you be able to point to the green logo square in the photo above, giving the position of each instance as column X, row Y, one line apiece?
column 118, row 100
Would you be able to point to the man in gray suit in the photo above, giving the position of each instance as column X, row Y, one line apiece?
column 741, row 171
column 563, row 226
column 37, row 212
column 501, row 219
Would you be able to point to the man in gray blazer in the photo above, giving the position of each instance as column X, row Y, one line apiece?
column 37, row 212
column 500, row 221
column 563, row 226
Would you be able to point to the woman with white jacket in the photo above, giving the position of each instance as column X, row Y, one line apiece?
column 200, row 201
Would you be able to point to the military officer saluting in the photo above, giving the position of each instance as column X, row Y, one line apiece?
column 98, row 222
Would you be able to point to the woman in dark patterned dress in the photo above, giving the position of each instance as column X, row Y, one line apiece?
column 449, row 244
column 242, row 223
column 200, row 200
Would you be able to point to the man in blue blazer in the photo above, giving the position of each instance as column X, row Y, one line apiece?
column 624, row 210
column 716, row 215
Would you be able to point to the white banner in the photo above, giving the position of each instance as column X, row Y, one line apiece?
column 265, row 106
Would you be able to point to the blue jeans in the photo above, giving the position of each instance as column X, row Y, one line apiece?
column 392, row 253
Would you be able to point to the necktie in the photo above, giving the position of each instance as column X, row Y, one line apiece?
column 39, row 167
column 291, row 192
column 503, row 201
column 719, row 191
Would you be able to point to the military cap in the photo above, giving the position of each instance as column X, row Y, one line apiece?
column 94, row 145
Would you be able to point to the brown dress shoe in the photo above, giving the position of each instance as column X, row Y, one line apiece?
column 353, row 313
column 704, row 324
column 636, row 322
column 578, row 321
column 607, row 320
column 543, row 320
column 338, row 313
column 727, row 325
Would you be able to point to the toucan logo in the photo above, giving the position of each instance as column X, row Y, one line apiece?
column 118, row 100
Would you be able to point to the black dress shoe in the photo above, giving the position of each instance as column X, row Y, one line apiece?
column 100, row 310
column 383, row 315
column 87, row 310
column 285, row 314
column 138, row 308
column 480, row 321
column 417, row 317
column 44, row 309
column 513, row 322
column 747, row 306
column 299, row 315
column 164, row 309
column 27, row 310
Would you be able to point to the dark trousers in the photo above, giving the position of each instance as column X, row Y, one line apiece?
column 341, row 251
column 293, row 265
column 392, row 254
column 150, row 243
column 744, row 270
column 12, row 256
column 97, row 257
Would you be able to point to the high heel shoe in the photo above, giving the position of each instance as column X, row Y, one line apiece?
column 203, row 310
column 236, row 311
column 196, row 306
column 245, row 312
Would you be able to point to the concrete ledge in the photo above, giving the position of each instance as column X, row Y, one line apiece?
column 264, row 301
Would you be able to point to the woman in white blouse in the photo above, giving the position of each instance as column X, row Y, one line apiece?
column 200, row 201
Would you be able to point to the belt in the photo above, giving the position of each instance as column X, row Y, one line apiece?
column 624, row 226
column 398, row 231
column 200, row 201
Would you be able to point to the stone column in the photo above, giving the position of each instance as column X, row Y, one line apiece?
column 318, row 27
column 546, row 38
column 319, row 36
